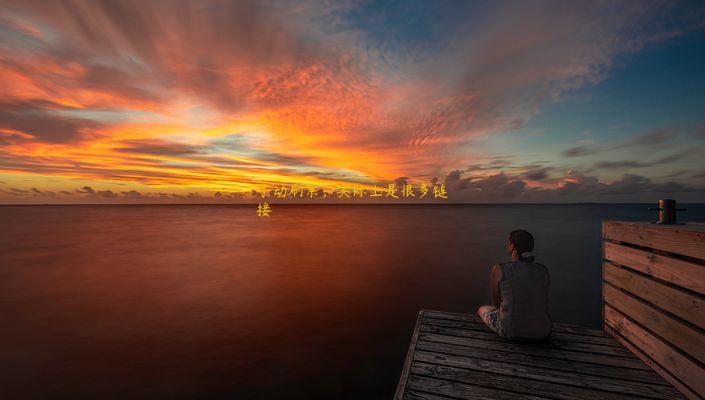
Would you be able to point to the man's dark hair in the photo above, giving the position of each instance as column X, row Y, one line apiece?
column 523, row 242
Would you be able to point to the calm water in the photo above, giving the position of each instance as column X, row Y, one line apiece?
column 182, row 302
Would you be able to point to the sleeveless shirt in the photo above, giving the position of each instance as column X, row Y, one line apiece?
column 523, row 312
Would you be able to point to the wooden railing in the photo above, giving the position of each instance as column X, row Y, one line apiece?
column 654, row 297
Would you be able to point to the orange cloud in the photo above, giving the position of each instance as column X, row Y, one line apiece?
column 234, row 95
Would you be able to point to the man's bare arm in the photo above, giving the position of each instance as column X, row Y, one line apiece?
column 495, row 278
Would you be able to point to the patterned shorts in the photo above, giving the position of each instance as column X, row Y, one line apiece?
column 490, row 316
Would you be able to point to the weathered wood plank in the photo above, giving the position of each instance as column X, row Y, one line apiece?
column 470, row 324
column 677, row 333
column 409, row 357
column 662, row 353
column 657, row 368
column 569, row 337
column 687, row 240
column 573, row 346
column 548, row 375
column 502, row 395
column 455, row 390
column 577, row 330
column 683, row 304
column 477, row 333
column 609, row 371
column 679, row 272
column 478, row 326
column 557, row 327
column 456, row 356
column 522, row 386
column 414, row 395
column 427, row 333
column 453, row 316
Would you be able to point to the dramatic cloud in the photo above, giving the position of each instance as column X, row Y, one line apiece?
column 36, row 119
column 159, row 147
column 156, row 100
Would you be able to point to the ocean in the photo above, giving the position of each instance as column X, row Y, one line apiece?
column 316, row 301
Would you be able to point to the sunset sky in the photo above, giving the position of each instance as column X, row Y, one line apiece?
column 171, row 101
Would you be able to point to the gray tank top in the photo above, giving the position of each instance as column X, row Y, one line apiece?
column 524, row 289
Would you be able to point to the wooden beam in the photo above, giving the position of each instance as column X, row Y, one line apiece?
column 687, row 392
column 401, row 386
column 511, row 348
column 587, row 368
column 557, row 327
column 556, row 376
column 685, row 337
column 521, row 386
column 559, row 335
column 673, row 270
column 687, row 240
column 414, row 395
column 688, row 371
column 678, row 302
column 556, row 344
column 451, row 389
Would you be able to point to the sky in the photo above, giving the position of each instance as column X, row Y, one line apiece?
column 223, row 101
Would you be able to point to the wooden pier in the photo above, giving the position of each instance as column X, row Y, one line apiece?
column 652, row 345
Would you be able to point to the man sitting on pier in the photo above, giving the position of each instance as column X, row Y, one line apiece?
column 519, row 293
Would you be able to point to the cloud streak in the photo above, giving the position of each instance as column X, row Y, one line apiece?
column 225, row 97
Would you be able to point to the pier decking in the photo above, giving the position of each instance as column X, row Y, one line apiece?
column 455, row 356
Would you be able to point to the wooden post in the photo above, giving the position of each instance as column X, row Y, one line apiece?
column 654, row 297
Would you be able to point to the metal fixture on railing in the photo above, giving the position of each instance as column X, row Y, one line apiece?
column 667, row 211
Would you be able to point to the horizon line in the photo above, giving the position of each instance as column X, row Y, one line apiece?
column 332, row 203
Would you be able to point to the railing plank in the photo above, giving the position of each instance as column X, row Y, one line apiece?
column 662, row 353
column 687, row 392
column 678, row 272
column 687, row 240
column 678, row 302
column 677, row 333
